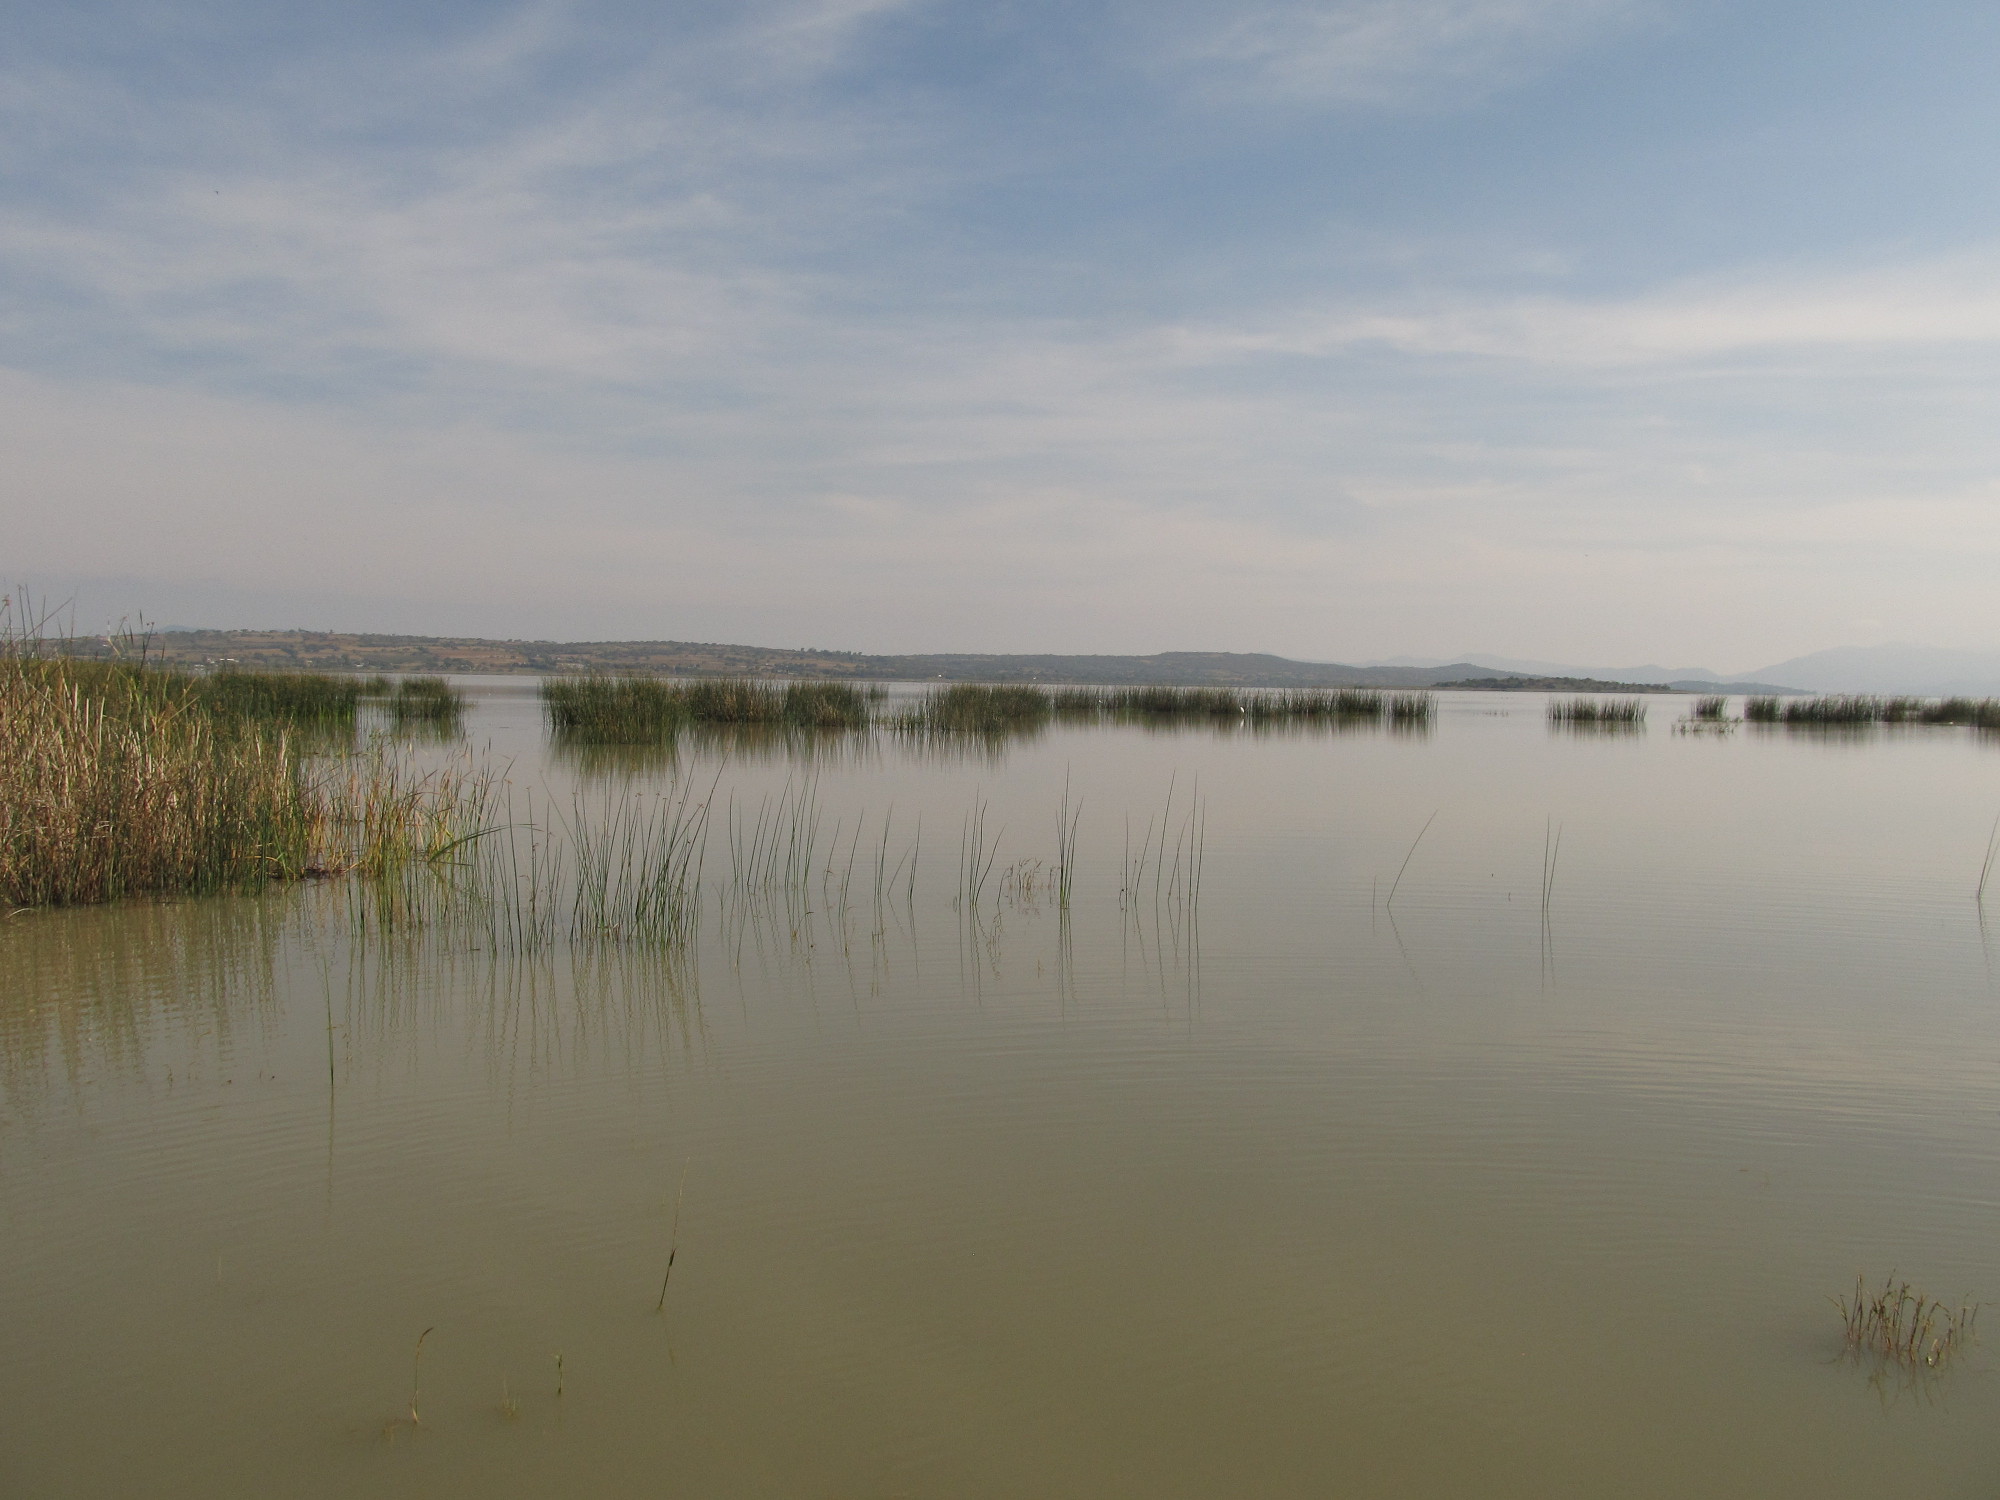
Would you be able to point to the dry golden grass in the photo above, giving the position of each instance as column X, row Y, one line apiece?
column 119, row 780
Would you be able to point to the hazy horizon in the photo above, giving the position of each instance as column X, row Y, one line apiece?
column 1586, row 330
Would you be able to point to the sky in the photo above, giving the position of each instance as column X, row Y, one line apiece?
column 1586, row 330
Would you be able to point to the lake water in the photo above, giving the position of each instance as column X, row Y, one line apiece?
column 1289, row 1190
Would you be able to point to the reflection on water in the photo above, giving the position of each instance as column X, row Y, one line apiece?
column 86, row 997
column 1535, row 1181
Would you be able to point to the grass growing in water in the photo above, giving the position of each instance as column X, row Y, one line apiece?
column 979, row 708
column 1852, row 709
column 1900, row 1326
column 1710, row 709
column 427, row 705
column 121, row 790
column 640, row 710
column 982, row 709
column 118, row 779
column 303, row 699
column 1616, row 712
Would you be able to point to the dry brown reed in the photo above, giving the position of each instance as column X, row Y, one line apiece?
column 1901, row 1326
column 118, row 780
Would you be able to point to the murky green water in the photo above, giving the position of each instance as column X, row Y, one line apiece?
column 1296, row 1193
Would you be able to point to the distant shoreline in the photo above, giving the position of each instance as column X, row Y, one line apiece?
column 308, row 650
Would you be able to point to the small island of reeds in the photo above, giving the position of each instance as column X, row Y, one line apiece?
column 1846, row 710
column 1598, row 713
column 640, row 710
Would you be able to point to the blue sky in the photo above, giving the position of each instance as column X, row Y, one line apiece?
column 1591, row 330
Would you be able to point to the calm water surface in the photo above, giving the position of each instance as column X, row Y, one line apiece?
column 1296, row 1193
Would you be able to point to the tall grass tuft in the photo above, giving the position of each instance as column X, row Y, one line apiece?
column 301, row 699
column 1619, row 713
column 423, row 705
column 118, row 779
column 612, row 710
column 1215, row 704
column 1710, row 709
column 642, row 710
column 1980, row 713
column 638, row 869
column 113, row 785
column 980, row 708
column 1901, row 1326
column 1851, row 710
column 1843, row 709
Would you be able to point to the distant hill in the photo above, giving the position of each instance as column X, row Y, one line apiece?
column 1526, row 667
column 323, row 651
column 1900, row 668
column 1895, row 668
column 1556, row 685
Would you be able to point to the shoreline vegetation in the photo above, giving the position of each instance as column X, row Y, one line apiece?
column 1853, row 709
column 122, row 778
column 127, row 776
column 600, row 710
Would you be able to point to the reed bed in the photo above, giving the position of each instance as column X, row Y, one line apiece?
column 300, row 699
column 981, row 708
column 1841, row 710
column 639, row 710
column 1168, row 703
column 1980, row 713
column 119, row 779
column 1618, row 713
column 1711, row 709
column 999, row 709
column 421, row 705
column 1901, row 1326
column 109, row 788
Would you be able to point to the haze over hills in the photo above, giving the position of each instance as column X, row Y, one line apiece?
column 1896, row 668
column 406, row 653
column 1931, row 671
column 306, row 649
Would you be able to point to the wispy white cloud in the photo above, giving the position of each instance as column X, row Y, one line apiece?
column 656, row 333
column 1943, row 302
column 1386, row 52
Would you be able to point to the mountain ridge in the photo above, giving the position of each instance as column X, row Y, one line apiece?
column 353, row 651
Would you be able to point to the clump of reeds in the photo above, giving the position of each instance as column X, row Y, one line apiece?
column 379, row 814
column 305, row 699
column 1615, row 712
column 427, row 705
column 639, row 710
column 118, row 779
column 1844, row 709
column 1849, row 710
column 638, row 869
column 612, row 710
column 1901, row 1326
column 825, row 705
column 980, row 708
column 1173, row 702
column 1218, row 704
column 111, row 786
column 1709, row 709
column 1980, row 713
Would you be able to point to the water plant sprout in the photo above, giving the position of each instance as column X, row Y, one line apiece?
column 1901, row 1326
